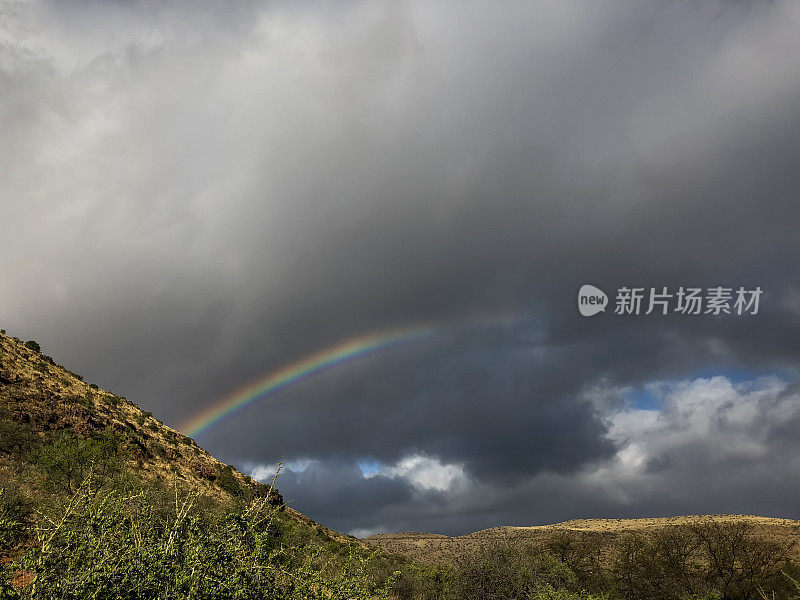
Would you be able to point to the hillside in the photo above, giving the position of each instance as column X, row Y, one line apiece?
column 99, row 498
column 459, row 550
column 47, row 398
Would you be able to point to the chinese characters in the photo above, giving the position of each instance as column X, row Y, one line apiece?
column 687, row 301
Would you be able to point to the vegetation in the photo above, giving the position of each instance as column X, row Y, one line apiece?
column 99, row 532
column 711, row 560
column 130, row 543
column 228, row 482
column 117, row 538
column 67, row 459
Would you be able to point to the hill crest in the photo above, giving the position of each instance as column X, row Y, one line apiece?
column 437, row 548
column 47, row 397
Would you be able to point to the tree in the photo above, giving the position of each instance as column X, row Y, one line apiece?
column 741, row 563
column 68, row 458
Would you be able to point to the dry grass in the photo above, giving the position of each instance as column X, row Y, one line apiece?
column 436, row 549
column 37, row 391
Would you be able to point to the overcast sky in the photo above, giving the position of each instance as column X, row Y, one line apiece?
column 195, row 194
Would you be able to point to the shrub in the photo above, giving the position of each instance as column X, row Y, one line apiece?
column 15, row 509
column 228, row 482
column 75, row 375
column 88, row 400
column 42, row 367
column 582, row 553
column 15, row 437
column 504, row 571
column 425, row 582
column 33, row 345
column 709, row 559
column 118, row 544
column 740, row 563
column 67, row 459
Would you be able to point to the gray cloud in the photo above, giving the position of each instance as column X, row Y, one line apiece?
column 704, row 450
column 196, row 196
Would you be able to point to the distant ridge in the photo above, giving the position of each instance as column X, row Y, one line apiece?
column 437, row 548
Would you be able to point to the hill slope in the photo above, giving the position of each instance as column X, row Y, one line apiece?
column 40, row 398
column 99, row 499
column 436, row 549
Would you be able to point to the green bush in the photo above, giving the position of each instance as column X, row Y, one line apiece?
column 116, row 544
column 76, row 375
column 426, row 582
column 741, row 563
column 42, row 367
column 67, row 459
column 227, row 481
column 15, row 437
column 88, row 400
column 710, row 559
column 15, row 510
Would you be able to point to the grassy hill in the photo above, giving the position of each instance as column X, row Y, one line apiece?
column 39, row 398
column 711, row 556
column 436, row 549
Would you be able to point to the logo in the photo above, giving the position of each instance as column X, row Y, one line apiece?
column 591, row 300
column 714, row 301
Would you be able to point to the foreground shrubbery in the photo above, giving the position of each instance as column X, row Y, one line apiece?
column 114, row 543
column 76, row 522
column 123, row 540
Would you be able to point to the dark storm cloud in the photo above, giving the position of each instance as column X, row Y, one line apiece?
column 195, row 196
column 339, row 488
column 483, row 398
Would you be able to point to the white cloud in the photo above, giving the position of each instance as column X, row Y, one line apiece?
column 266, row 473
column 427, row 473
column 704, row 425
column 363, row 532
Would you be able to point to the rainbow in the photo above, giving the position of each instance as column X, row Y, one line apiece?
column 305, row 367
